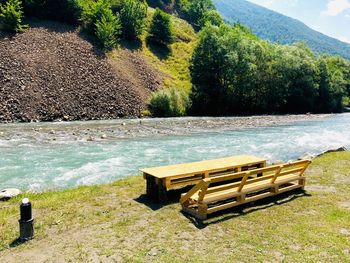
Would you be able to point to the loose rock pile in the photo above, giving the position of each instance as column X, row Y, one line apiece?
column 51, row 73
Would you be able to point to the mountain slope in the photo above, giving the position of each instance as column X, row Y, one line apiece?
column 275, row 27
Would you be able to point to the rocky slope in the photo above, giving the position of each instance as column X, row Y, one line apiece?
column 51, row 72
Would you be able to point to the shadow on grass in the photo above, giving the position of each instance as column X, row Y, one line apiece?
column 247, row 208
column 17, row 242
column 132, row 45
column 161, row 51
column 173, row 196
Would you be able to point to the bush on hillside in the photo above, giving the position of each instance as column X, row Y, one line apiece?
column 98, row 19
column 108, row 29
column 11, row 16
column 133, row 18
column 66, row 11
column 213, row 17
column 161, row 31
column 169, row 103
column 196, row 9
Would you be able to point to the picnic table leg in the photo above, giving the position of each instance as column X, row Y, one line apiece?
column 151, row 187
column 155, row 189
column 162, row 196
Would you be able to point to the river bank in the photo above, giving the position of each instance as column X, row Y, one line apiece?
column 131, row 128
column 115, row 223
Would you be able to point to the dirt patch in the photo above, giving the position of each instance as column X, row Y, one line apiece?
column 321, row 188
column 344, row 231
column 52, row 72
column 345, row 205
column 131, row 67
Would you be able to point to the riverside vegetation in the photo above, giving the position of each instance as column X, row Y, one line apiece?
column 309, row 227
column 225, row 69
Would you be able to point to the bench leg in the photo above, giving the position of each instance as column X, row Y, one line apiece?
column 301, row 182
column 202, row 211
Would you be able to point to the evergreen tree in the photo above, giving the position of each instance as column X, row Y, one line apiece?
column 161, row 31
column 11, row 16
column 132, row 17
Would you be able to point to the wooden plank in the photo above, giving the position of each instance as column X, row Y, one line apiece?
column 203, row 166
column 226, row 177
column 190, row 193
column 289, row 188
column 258, row 197
column 223, row 206
column 278, row 172
column 215, row 189
column 219, row 197
column 202, row 192
column 259, row 179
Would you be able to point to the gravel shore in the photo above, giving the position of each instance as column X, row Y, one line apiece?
column 134, row 128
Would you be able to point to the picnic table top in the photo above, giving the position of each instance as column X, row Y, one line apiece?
column 202, row 166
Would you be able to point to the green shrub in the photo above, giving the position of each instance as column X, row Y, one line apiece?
column 133, row 17
column 161, row 31
column 66, row 11
column 196, row 10
column 98, row 19
column 169, row 103
column 11, row 16
column 108, row 30
column 213, row 17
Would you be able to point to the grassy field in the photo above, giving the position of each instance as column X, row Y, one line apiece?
column 116, row 223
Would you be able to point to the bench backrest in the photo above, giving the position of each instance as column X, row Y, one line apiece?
column 239, row 180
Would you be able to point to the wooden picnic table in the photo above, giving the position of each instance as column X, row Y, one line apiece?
column 161, row 179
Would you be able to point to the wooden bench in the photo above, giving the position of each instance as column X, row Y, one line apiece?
column 161, row 179
column 213, row 194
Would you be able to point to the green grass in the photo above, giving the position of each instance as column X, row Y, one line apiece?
column 112, row 222
column 174, row 63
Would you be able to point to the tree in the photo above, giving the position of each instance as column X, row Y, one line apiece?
column 234, row 72
column 132, row 18
column 11, row 16
column 66, row 11
column 161, row 31
column 324, row 96
column 108, row 29
column 213, row 17
column 98, row 19
column 197, row 8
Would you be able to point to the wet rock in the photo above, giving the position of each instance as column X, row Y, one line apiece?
column 306, row 157
column 9, row 193
column 340, row 149
column 90, row 139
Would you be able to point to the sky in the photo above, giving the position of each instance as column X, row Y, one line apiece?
column 330, row 17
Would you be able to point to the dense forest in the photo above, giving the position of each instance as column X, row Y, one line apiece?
column 278, row 28
column 232, row 70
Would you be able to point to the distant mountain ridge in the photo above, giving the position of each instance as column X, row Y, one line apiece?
column 276, row 27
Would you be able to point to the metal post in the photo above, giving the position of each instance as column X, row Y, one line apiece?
column 26, row 222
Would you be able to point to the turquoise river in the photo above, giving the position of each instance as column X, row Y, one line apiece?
column 29, row 161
